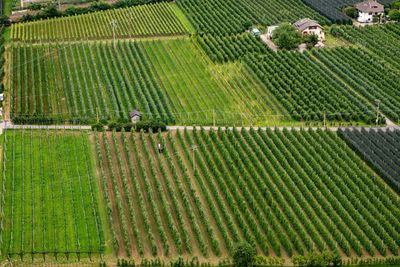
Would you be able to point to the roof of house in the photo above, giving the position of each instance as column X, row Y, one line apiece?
column 303, row 24
column 255, row 30
column 136, row 113
column 370, row 6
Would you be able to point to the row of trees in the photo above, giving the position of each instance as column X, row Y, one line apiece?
column 229, row 47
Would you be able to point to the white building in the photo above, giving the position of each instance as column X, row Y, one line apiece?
column 367, row 10
column 308, row 26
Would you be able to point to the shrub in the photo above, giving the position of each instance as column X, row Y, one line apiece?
column 351, row 11
column 286, row 36
column 244, row 255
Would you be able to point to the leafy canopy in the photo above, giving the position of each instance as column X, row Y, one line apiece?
column 286, row 36
column 244, row 255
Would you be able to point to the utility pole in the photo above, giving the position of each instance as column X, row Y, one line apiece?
column 377, row 101
column 214, row 117
column 113, row 24
column 194, row 148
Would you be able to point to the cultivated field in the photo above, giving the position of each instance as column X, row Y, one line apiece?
column 75, row 82
column 364, row 72
column 380, row 147
column 308, row 90
column 208, row 190
column 171, row 80
column 382, row 40
column 49, row 196
column 222, row 17
column 203, row 93
column 141, row 21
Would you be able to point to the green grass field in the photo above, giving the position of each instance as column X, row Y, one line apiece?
column 49, row 196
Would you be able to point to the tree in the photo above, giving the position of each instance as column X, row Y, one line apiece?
column 244, row 255
column 351, row 11
column 395, row 4
column 286, row 36
column 311, row 40
column 394, row 15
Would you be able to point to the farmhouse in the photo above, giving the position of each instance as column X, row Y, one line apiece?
column 308, row 26
column 136, row 116
column 367, row 10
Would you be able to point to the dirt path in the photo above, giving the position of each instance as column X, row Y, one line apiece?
column 268, row 42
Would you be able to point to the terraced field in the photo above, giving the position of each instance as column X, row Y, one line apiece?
column 49, row 197
column 161, row 19
column 208, row 190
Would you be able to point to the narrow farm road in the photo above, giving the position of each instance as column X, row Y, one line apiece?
column 8, row 125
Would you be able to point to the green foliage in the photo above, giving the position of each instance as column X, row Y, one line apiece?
column 318, row 259
column 351, row 11
column 394, row 15
column 244, row 255
column 286, row 36
column 139, row 126
column 98, row 127
column 35, row 6
column 395, row 4
column 311, row 40
column 230, row 47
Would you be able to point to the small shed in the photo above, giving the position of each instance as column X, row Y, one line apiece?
column 136, row 116
column 256, row 32
column 1, row 97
